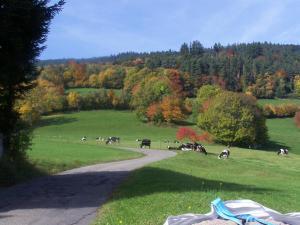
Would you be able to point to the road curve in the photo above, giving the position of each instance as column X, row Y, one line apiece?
column 71, row 197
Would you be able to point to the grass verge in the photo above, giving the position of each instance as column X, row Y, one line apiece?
column 190, row 181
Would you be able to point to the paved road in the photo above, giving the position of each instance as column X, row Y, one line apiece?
column 71, row 197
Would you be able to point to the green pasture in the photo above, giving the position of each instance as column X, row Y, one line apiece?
column 188, row 183
column 185, row 183
column 68, row 128
column 85, row 91
column 283, row 132
column 278, row 101
column 57, row 141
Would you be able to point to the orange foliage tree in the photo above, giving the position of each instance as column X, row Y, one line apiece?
column 154, row 113
column 172, row 109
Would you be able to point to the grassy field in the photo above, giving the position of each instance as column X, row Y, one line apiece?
column 70, row 127
column 279, row 101
column 190, row 181
column 283, row 132
column 185, row 183
column 57, row 142
column 85, row 91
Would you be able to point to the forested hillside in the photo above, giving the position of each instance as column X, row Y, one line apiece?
column 264, row 69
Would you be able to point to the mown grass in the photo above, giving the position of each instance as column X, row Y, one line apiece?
column 70, row 127
column 85, row 91
column 124, row 124
column 185, row 183
column 190, row 181
column 57, row 142
column 52, row 156
column 279, row 101
column 283, row 132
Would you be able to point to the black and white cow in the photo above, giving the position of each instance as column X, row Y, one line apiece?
column 224, row 154
column 186, row 147
column 84, row 138
column 112, row 140
column 282, row 152
column 98, row 138
column 144, row 142
column 200, row 148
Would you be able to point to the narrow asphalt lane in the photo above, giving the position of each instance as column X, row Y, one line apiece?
column 71, row 197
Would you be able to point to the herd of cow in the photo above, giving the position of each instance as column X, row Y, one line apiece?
column 184, row 147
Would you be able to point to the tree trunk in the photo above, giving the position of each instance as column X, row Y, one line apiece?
column 1, row 146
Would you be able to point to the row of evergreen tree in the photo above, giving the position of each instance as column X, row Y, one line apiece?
column 236, row 66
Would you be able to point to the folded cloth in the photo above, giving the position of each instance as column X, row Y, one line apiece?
column 237, row 207
column 228, row 222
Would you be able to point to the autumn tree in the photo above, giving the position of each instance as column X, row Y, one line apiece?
column 94, row 81
column 234, row 118
column 172, row 109
column 78, row 71
column 73, row 99
column 154, row 113
column 44, row 98
column 204, row 94
column 112, row 78
column 24, row 26
column 297, row 85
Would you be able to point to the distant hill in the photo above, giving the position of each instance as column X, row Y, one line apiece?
column 264, row 69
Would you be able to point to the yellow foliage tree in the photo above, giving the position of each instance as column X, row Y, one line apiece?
column 297, row 85
column 73, row 99
column 94, row 81
column 29, row 113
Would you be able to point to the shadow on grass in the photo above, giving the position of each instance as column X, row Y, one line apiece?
column 184, row 123
column 273, row 146
column 150, row 180
column 91, row 189
column 17, row 172
column 57, row 120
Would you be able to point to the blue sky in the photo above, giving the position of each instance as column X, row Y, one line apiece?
column 88, row 28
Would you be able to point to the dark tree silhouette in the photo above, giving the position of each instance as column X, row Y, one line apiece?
column 24, row 25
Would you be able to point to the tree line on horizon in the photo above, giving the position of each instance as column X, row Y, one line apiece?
column 264, row 69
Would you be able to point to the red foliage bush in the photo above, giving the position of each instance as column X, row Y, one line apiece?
column 189, row 133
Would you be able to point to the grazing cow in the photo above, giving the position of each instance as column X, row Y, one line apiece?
column 200, row 148
column 83, row 138
column 145, row 142
column 282, row 152
column 111, row 140
column 186, row 147
column 224, row 154
column 172, row 148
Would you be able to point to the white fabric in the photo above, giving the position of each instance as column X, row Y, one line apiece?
column 237, row 207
